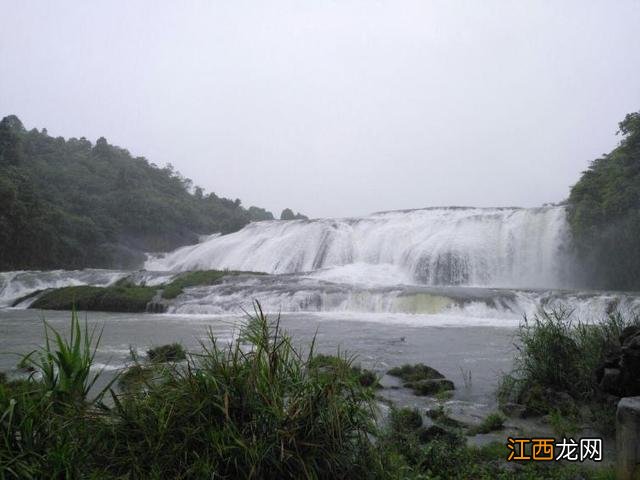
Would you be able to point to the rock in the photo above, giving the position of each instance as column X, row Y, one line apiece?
column 412, row 373
column 628, row 332
column 612, row 355
column 630, row 366
column 628, row 438
column 610, row 381
column 430, row 387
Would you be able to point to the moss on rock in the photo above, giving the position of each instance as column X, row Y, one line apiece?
column 116, row 298
column 194, row 279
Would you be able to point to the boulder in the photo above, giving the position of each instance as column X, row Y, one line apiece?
column 611, row 381
column 628, row 438
column 619, row 373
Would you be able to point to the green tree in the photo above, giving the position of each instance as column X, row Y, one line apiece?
column 604, row 213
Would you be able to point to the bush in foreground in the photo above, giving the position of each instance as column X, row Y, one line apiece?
column 234, row 413
column 560, row 361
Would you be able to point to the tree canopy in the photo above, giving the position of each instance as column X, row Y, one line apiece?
column 287, row 214
column 604, row 213
column 72, row 204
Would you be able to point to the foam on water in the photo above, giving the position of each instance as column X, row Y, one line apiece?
column 17, row 284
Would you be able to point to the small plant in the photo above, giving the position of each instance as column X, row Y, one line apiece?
column 64, row 366
column 405, row 419
column 563, row 424
column 491, row 423
column 324, row 363
column 466, row 378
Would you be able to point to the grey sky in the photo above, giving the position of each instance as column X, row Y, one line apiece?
column 335, row 108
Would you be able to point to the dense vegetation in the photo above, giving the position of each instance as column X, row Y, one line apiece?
column 261, row 409
column 574, row 371
column 72, row 204
column 605, row 213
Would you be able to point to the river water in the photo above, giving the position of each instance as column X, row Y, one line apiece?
column 446, row 286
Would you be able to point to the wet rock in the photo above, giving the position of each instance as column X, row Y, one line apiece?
column 412, row 373
column 422, row 379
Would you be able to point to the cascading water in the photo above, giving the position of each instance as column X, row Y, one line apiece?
column 506, row 247
column 19, row 284
column 478, row 265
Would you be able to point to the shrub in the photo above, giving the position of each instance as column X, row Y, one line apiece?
column 557, row 360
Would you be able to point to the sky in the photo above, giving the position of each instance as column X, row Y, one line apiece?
column 335, row 108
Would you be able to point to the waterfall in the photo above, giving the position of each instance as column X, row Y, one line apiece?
column 490, row 247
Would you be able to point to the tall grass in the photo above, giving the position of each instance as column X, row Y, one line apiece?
column 232, row 411
column 558, row 352
column 42, row 434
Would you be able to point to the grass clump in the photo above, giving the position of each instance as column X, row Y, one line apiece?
column 230, row 412
column 196, row 278
column 491, row 423
column 173, row 352
column 557, row 360
column 116, row 298
column 366, row 378
column 134, row 377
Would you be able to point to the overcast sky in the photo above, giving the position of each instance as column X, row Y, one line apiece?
column 335, row 108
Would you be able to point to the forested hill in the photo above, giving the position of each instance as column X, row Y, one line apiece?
column 605, row 213
column 72, row 204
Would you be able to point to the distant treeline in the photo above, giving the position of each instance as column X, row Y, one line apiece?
column 72, row 204
column 604, row 213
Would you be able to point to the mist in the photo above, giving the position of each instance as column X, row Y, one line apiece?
column 335, row 108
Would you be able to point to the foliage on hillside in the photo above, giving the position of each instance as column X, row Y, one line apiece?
column 72, row 204
column 605, row 213
column 287, row 214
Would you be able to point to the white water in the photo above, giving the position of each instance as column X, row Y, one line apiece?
column 17, row 284
column 444, row 265
column 505, row 247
